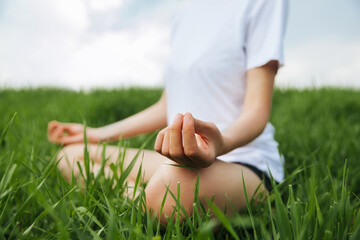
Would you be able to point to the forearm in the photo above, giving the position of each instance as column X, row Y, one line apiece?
column 256, row 108
column 148, row 120
column 244, row 130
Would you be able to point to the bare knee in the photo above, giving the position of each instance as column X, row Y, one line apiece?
column 63, row 165
column 68, row 158
column 163, row 188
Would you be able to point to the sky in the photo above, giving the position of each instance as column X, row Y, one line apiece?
column 322, row 44
column 85, row 44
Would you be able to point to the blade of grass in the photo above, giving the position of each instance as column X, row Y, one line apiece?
column 161, row 210
column 112, row 232
column 46, row 211
column 84, row 211
column 181, row 166
column 149, row 221
column 131, row 165
column 281, row 214
column 357, row 220
column 9, row 171
column 178, row 207
column 27, row 201
column 86, row 159
column 196, row 216
column 249, row 206
column 180, row 210
column 356, row 234
column 132, row 234
column 101, row 172
column 2, row 138
column 137, row 180
column 2, row 215
column 223, row 219
column 332, row 185
column 206, row 230
column 294, row 213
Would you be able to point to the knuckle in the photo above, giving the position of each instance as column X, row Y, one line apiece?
column 211, row 125
column 176, row 154
column 173, row 128
column 187, row 131
column 205, row 164
column 173, row 131
column 190, row 152
column 157, row 149
column 165, row 152
column 207, row 126
column 167, row 133
column 188, row 123
column 159, row 137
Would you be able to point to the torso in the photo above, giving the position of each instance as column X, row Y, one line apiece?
column 205, row 73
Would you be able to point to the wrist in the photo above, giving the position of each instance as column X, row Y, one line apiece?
column 227, row 145
column 94, row 135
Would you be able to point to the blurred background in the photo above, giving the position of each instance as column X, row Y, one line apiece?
column 85, row 44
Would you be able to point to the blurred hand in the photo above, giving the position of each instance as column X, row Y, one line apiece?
column 70, row 133
column 190, row 142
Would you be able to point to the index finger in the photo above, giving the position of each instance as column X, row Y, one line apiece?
column 55, row 135
column 159, row 141
column 52, row 125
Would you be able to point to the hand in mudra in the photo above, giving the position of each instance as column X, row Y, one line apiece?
column 70, row 133
column 190, row 142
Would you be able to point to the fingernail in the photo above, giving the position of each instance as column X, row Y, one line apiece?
column 188, row 115
column 178, row 117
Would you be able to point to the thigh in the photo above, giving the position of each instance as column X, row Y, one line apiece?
column 149, row 160
column 222, row 182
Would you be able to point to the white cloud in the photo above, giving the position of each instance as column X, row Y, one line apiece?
column 128, row 57
column 105, row 5
column 54, row 43
column 50, row 43
column 44, row 16
column 36, row 39
column 322, row 62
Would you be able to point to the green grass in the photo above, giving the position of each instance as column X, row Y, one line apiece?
column 318, row 132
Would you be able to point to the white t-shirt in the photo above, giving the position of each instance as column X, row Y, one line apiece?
column 214, row 43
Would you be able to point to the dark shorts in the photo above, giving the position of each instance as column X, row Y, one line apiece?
column 262, row 175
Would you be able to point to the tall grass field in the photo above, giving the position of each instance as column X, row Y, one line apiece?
column 318, row 133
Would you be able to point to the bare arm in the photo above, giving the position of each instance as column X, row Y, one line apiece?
column 148, row 120
column 256, row 108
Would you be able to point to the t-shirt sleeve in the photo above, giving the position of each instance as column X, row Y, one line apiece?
column 265, row 32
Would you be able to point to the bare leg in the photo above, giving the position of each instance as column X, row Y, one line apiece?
column 221, row 181
column 72, row 154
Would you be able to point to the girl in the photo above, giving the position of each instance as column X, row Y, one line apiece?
column 215, row 109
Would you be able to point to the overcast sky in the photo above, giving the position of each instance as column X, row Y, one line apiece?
column 83, row 44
